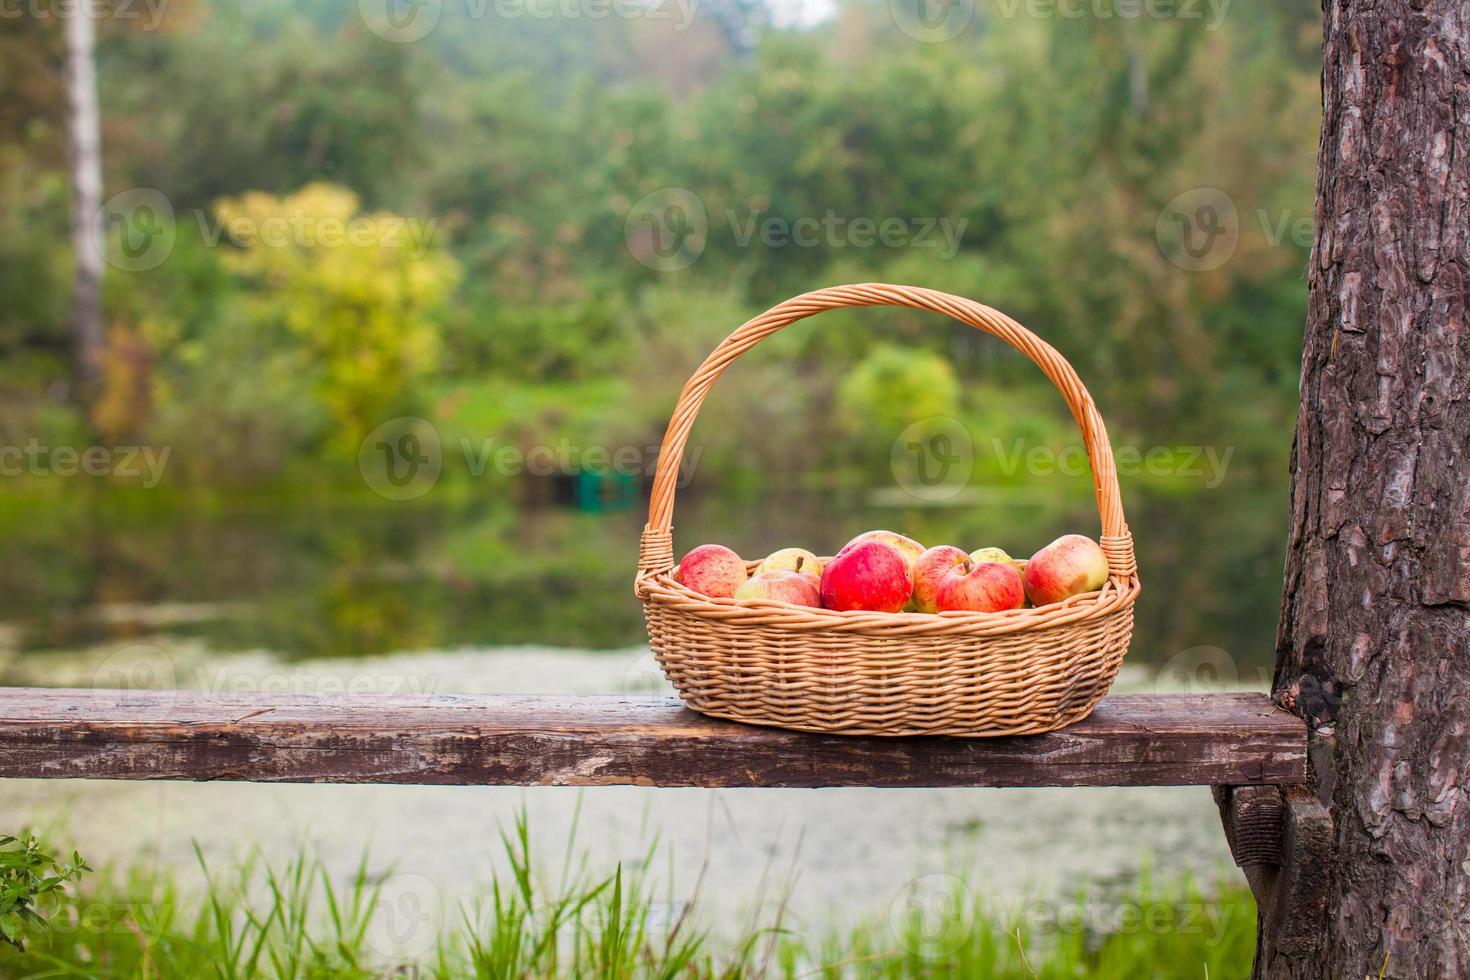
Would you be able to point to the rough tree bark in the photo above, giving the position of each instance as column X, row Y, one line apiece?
column 1374, row 642
column 84, row 146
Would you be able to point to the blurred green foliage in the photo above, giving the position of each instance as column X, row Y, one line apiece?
column 351, row 287
column 1039, row 151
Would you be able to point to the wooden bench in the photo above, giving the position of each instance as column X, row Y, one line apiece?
column 1252, row 754
column 1130, row 740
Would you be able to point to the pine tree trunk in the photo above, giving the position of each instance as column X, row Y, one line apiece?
column 1374, row 643
column 84, row 144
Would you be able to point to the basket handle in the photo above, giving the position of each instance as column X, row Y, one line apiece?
column 656, row 554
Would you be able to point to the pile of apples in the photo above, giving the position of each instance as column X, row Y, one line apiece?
column 886, row 572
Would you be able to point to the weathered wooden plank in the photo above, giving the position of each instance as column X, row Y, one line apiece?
column 611, row 740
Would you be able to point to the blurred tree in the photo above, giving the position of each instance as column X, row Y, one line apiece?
column 84, row 152
column 360, row 290
column 125, row 386
column 1049, row 146
column 223, row 109
column 49, row 72
column 894, row 387
column 35, row 345
column 32, row 53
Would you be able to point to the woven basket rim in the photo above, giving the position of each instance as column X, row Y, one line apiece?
column 1117, row 593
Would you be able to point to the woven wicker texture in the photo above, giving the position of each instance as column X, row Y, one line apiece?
column 1023, row 671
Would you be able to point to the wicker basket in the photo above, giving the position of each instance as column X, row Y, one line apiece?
column 1018, row 672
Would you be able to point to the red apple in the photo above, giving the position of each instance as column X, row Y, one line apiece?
column 867, row 575
column 791, row 560
column 797, row 588
column 929, row 571
column 907, row 547
column 990, row 586
column 712, row 570
column 1070, row 565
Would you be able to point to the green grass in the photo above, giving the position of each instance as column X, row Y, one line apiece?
column 295, row 922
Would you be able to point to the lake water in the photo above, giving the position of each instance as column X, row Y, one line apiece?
column 490, row 596
column 362, row 578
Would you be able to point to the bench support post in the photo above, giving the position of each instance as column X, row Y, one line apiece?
column 1281, row 837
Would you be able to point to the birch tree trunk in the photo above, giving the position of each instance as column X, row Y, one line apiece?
column 1374, row 642
column 84, row 144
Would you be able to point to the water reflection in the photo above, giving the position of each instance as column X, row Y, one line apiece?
column 308, row 581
